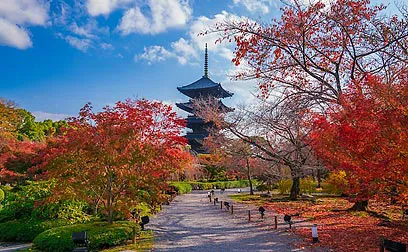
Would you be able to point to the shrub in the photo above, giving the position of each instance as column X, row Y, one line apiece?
column 101, row 235
column 25, row 230
column 2, row 195
column 284, row 186
column 143, row 209
column 72, row 211
column 182, row 187
column 307, row 185
column 263, row 187
column 220, row 184
column 335, row 182
column 20, row 204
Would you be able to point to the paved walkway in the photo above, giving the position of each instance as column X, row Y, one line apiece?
column 6, row 247
column 191, row 223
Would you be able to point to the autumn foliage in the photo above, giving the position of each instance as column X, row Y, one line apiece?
column 118, row 157
column 367, row 137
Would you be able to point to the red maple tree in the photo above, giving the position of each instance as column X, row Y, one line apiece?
column 367, row 137
column 117, row 157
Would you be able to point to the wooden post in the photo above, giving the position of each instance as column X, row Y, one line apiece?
column 221, row 204
column 232, row 209
column 276, row 222
column 382, row 244
column 134, row 235
column 249, row 215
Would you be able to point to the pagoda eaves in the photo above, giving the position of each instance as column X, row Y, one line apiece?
column 204, row 87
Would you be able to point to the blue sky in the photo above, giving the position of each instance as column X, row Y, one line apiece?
column 57, row 55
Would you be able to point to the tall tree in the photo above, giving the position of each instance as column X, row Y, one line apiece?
column 9, row 120
column 119, row 156
column 314, row 51
column 367, row 137
column 237, row 156
column 274, row 130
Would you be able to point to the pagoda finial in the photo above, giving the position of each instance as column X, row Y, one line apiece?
column 206, row 62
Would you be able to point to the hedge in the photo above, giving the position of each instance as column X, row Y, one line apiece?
column 220, row 184
column 182, row 187
column 25, row 230
column 101, row 235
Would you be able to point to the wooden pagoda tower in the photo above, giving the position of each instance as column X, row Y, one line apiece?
column 201, row 88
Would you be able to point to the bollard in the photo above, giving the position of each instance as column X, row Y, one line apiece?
column 249, row 215
column 276, row 222
column 232, row 209
column 314, row 233
column 214, row 202
column 221, row 204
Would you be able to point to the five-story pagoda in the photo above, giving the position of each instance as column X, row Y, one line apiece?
column 201, row 89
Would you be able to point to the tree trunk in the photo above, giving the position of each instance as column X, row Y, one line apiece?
column 110, row 201
column 295, row 190
column 319, row 178
column 96, row 207
column 251, row 190
column 360, row 205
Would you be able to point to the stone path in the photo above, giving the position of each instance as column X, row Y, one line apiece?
column 6, row 247
column 191, row 223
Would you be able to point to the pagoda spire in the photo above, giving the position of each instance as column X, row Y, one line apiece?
column 206, row 62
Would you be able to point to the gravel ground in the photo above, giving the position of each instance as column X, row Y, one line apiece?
column 192, row 223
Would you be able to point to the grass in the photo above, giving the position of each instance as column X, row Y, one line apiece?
column 144, row 242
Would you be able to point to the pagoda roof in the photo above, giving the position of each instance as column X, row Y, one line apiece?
column 204, row 87
column 189, row 107
column 196, row 136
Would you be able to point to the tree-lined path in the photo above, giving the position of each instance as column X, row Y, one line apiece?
column 191, row 223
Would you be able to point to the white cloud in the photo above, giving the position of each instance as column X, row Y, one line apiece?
column 163, row 14
column 80, row 44
column 31, row 12
column 154, row 54
column 86, row 34
column 188, row 50
column 13, row 35
column 107, row 46
column 184, row 51
column 261, row 6
column 85, row 30
column 203, row 23
column 15, row 16
column 104, row 7
column 41, row 116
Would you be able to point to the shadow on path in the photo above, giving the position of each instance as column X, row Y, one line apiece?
column 191, row 223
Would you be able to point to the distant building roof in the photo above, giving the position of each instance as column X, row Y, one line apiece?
column 189, row 107
column 204, row 87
